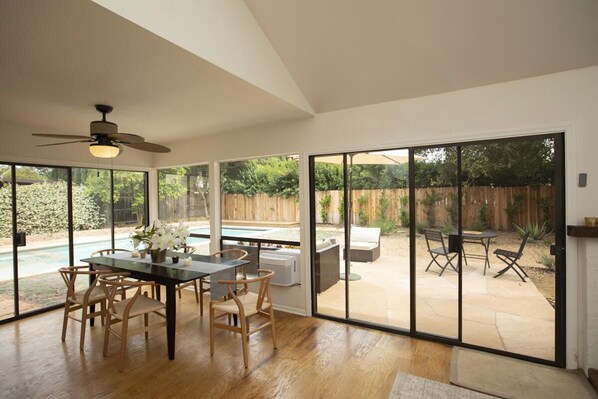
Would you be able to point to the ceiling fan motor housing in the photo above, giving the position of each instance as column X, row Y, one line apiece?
column 103, row 127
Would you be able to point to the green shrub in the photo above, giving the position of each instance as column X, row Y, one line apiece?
column 43, row 209
column 536, row 231
column 404, row 212
column 362, row 214
column 324, row 205
column 386, row 224
column 451, row 209
column 546, row 205
column 481, row 223
column 547, row 260
column 513, row 207
column 429, row 203
column 419, row 227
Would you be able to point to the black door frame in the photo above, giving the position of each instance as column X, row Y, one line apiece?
column 69, row 170
column 560, row 239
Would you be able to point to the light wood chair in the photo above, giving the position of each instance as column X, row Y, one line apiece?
column 123, row 311
column 112, row 251
column 245, row 306
column 108, row 251
column 82, row 299
column 204, row 282
column 189, row 250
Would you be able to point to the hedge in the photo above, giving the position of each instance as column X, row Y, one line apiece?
column 42, row 209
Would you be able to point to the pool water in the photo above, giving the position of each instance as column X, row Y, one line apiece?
column 49, row 259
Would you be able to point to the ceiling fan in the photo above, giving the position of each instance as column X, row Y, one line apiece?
column 105, row 140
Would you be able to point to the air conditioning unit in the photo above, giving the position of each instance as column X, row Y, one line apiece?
column 284, row 263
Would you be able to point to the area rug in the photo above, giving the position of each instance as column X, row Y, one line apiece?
column 514, row 379
column 408, row 386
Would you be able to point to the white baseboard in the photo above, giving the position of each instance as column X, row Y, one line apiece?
column 289, row 309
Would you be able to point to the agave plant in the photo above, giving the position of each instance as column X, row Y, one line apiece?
column 536, row 231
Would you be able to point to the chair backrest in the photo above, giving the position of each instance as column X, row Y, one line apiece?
column 523, row 241
column 263, row 279
column 69, row 275
column 434, row 236
column 115, row 283
column 234, row 253
column 108, row 251
column 188, row 249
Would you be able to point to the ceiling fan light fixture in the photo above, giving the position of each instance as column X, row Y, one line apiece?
column 100, row 150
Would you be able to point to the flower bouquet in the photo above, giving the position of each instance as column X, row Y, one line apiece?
column 160, row 237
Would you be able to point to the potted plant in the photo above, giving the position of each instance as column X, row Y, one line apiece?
column 160, row 237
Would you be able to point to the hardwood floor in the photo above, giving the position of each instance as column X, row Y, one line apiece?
column 315, row 359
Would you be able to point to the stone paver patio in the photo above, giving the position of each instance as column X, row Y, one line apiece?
column 502, row 313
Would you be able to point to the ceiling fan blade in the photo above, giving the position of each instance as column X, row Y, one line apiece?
column 60, row 136
column 66, row 142
column 126, row 138
column 151, row 147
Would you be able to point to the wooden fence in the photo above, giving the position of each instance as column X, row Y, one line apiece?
column 261, row 207
column 474, row 198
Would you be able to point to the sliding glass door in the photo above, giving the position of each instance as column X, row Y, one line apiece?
column 51, row 217
column 471, row 243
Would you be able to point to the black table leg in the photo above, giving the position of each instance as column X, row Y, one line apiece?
column 170, row 317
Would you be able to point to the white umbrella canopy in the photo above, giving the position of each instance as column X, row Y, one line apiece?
column 387, row 157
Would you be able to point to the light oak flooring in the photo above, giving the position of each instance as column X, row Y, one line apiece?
column 315, row 359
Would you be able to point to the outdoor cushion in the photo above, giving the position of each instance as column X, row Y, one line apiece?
column 365, row 234
column 364, row 246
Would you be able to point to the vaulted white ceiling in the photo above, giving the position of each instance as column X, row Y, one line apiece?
column 177, row 70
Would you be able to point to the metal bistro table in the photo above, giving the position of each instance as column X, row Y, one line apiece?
column 168, row 275
column 481, row 238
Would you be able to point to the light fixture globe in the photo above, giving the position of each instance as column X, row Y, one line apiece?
column 99, row 150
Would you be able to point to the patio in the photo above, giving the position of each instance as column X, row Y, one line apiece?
column 501, row 313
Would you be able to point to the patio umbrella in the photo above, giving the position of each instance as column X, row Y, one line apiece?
column 387, row 157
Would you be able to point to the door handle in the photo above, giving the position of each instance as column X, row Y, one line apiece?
column 21, row 239
column 556, row 250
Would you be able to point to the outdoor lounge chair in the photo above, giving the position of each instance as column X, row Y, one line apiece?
column 365, row 244
column 511, row 258
column 442, row 252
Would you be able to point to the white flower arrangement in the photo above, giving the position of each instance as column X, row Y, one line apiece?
column 161, row 236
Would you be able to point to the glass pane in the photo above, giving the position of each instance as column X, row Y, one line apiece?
column 184, row 197
column 379, row 244
column 508, row 192
column 330, row 236
column 7, row 294
column 129, row 205
column 91, row 212
column 436, row 289
column 260, row 206
column 42, row 213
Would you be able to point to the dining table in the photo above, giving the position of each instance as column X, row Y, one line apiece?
column 170, row 274
column 481, row 238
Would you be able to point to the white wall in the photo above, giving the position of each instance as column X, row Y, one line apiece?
column 560, row 102
column 552, row 103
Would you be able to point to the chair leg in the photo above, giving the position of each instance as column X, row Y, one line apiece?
column 107, row 334
column 196, row 290
column 211, row 330
column 103, row 309
column 244, row 340
column 65, row 320
column 146, row 322
column 83, row 325
column 178, row 289
column 123, row 345
column 273, row 327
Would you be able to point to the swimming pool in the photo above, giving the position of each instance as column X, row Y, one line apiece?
column 48, row 259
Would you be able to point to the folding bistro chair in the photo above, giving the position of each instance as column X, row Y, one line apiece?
column 511, row 258
column 442, row 252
